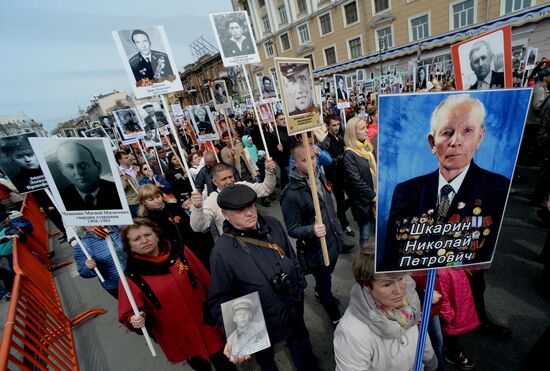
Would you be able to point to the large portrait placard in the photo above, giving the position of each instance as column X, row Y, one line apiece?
column 342, row 95
column 148, row 61
column 129, row 123
column 83, row 177
column 220, row 94
column 295, row 76
column 485, row 61
column 268, row 90
column 235, row 38
column 444, row 171
column 203, row 123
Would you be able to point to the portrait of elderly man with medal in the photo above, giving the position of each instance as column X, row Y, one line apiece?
column 456, row 209
column 147, row 63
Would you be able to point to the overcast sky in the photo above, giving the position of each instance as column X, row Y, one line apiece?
column 57, row 54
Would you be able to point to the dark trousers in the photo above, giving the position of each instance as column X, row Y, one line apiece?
column 341, row 203
column 283, row 181
column 323, row 288
column 298, row 344
column 477, row 283
column 219, row 360
column 113, row 292
column 453, row 345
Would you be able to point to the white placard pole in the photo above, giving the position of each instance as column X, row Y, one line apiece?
column 255, row 110
column 76, row 239
column 131, row 299
column 143, row 154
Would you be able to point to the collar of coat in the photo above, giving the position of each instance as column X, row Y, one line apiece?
column 148, row 268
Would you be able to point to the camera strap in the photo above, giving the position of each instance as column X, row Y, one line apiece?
column 260, row 243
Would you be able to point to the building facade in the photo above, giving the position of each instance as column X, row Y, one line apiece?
column 20, row 124
column 104, row 104
column 346, row 35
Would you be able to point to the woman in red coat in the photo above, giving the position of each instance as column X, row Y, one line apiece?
column 170, row 286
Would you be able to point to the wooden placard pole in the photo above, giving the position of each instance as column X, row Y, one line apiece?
column 229, row 127
column 315, row 196
column 182, row 158
column 275, row 123
column 158, row 159
column 255, row 110
column 143, row 154
column 211, row 146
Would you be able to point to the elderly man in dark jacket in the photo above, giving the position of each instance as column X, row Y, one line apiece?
column 255, row 254
column 299, row 215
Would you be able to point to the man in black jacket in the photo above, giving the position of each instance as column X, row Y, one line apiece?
column 255, row 254
column 281, row 152
column 299, row 215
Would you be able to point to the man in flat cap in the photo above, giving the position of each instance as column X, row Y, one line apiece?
column 154, row 119
column 298, row 89
column 202, row 215
column 248, row 334
column 255, row 254
column 24, row 170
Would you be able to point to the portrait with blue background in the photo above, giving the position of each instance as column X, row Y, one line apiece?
column 405, row 153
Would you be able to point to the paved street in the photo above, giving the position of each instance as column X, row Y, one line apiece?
column 511, row 299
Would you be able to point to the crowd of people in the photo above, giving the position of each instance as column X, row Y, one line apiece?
column 189, row 251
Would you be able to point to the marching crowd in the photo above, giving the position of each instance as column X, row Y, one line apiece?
column 190, row 251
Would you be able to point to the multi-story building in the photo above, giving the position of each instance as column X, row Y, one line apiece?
column 104, row 104
column 341, row 36
column 20, row 124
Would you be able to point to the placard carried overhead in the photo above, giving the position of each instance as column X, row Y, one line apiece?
column 148, row 61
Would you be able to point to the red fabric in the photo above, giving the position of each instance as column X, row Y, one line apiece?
column 4, row 192
column 178, row 327
column 372, row 131
column 458, row 313
column 420, row 280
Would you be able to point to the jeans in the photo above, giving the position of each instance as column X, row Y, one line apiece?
column 436, row 337
column 323, row 288
column 364, row 232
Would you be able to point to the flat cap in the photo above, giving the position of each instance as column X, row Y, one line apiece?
column 242, row 303
column 236, row 197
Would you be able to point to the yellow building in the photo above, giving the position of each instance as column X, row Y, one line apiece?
column 346, row 35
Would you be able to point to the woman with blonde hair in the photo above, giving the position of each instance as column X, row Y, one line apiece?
column 360, row 170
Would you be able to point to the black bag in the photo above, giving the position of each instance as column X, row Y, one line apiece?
column 302, row 257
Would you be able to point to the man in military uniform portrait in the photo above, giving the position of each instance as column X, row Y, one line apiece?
column 459, row 191
column 147, row 63
column 298, row 88
column 20, row 163
column 204, row 126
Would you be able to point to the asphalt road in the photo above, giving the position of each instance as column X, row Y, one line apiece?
column 103, row 344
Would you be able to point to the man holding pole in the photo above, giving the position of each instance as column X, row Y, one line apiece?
column 299, row 215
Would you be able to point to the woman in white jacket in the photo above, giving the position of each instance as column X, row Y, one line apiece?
column 379, row 329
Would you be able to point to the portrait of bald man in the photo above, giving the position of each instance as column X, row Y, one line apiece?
column 87, row 190
column 458, row 191
column 482, row 63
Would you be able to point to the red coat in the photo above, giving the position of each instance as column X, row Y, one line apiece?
column 178, row 326
column 458, row 312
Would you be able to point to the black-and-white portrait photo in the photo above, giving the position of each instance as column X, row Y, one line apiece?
column 360, row 75
column 148, row 60
column 483, row 62
column 531, row 58
column 244, row 325
column 129, row 122
column 220, row 95
column 99, row 132
column 298, row 94
column 106, row 122
column 203, row 123
column 83, row 176
column 235, row 38
column 68, row 133
column 152, row 115
column 268, row 92
column 340, row 81
column 422, row 76
column 19, row 163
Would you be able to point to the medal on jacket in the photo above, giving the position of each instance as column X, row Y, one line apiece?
column 181, row 266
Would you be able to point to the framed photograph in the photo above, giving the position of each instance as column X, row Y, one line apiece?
column 203, row 123
column 296, row 80
column 19, row 163
column 244, row 324
column 342, row 97
column 99, row 132
column 68, row 133
column 531, row 58
column 129, row 122
column 235, row 38
column 265, row 113
column 422, row 75
column 485, row 61
column 440, row 204
column 268, row 90
column 177, row 110
column 106, row 122
column 82, row 175
column 148, row 61
column 80, row 132
column 360, row 75
column 222, row 100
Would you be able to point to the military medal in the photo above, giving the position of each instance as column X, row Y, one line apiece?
column 477, row 210
column 486, row 231
column 461, row 205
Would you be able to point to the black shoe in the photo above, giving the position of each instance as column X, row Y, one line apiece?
column 334, row 298
column 349, row 232
column 62, row 238
column 497, row 331
column 460, row 361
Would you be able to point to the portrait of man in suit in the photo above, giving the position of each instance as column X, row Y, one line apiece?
column 341, row 91
column 147, row 63
column 153, row 119
column 481, row 62
column 455, row 209
column 86, row 191
column 237, row 39
column 203, row 121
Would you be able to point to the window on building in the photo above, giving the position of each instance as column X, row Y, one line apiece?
column 261, row 3
column 384, row 37
column 325, row 24
column 351, row 14
column 269, row 51
column 355, row 48
column 463, row 14
column 285, row 42
column 265, row 22
column 303, row 32
column 420, row 28
column 330, row 55
column 511, row 6
column 282, row 14
column 310, row 57
column 380, row 5
column 302, row 6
